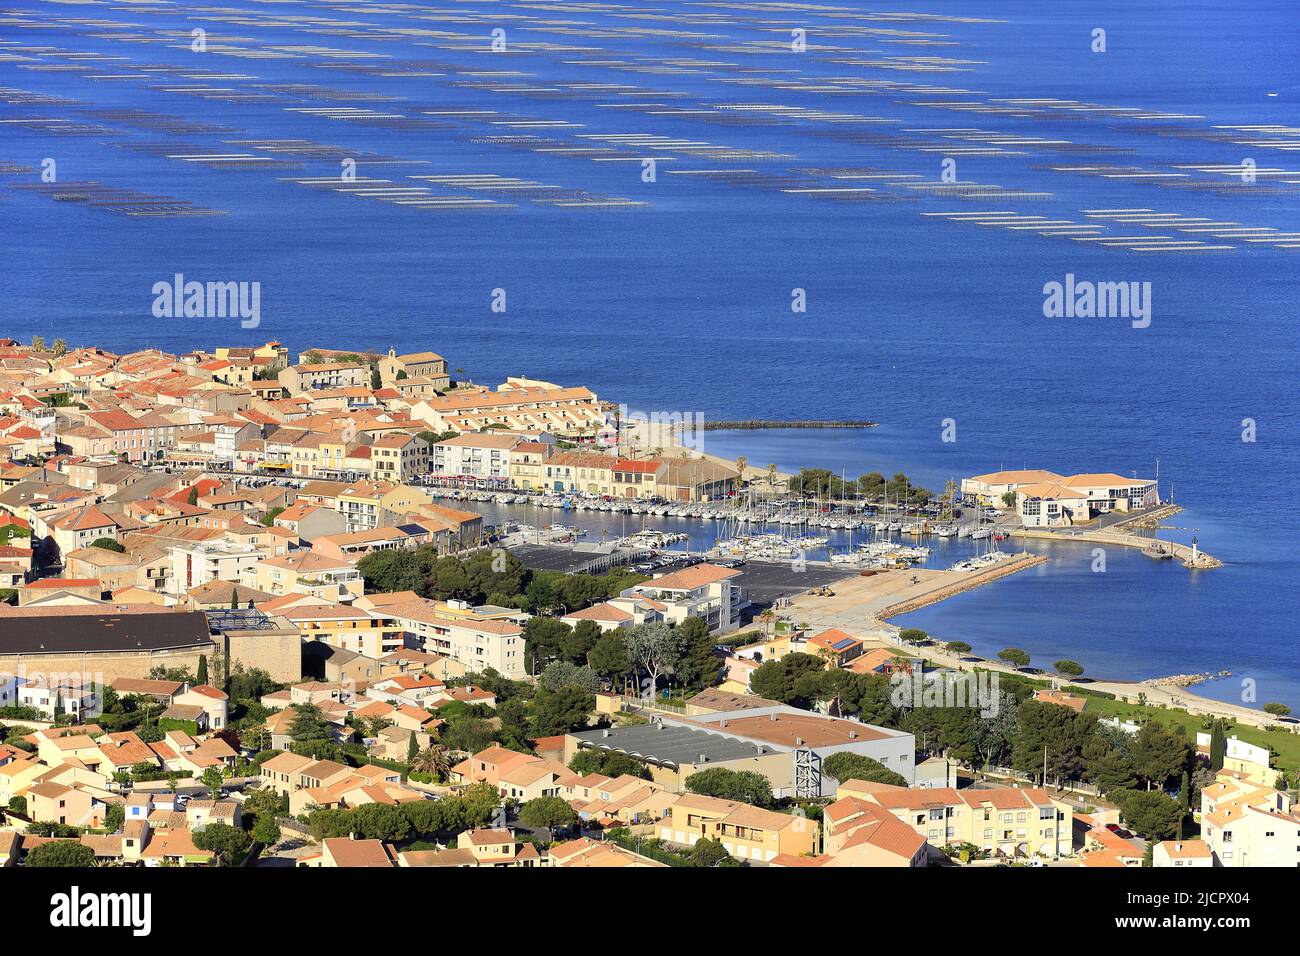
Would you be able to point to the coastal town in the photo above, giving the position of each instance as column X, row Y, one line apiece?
column 333, row 608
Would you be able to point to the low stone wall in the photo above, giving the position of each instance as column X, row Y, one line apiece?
column 104, row 666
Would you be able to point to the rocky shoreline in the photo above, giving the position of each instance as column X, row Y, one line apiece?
column 1187, row 680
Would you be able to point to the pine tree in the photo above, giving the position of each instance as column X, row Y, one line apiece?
column 1184, row 798
column 1218, row 746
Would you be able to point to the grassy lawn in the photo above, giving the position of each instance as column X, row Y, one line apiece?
column 1285, row 743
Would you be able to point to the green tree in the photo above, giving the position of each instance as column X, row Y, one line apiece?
column 577, row 644
column 608, row 656
column 398, row 570
column 266, row 830
column 1184, row 801
column 201, row 675
column 309, row 724
column 654, row 649
column 379, row 821
column 193, row 497
column 1218, row 744
column 561, row 711
column 433, row 760
column 561, row 673
column 1009, row 498
column 542, row 595
column 780, row 680
column 61, row 853
column 1276, row 709
column 699, row 666
column 587, row 761
column 610, row 763
column 1150, row 814
column 544, row 640
column 230, row 844
column 744, row 786
column 618, row 764
column 467, row 734
column 850, row 766
column 872, row 485
column 108, row 544
column 1069, row 668
column 708, row 852
column 449, row 580
column 552, row 813
column 265, row 802
column 1014, row 656
column 913, row 635
column 1160, row 754
column 1108, row 763
column 1051, row 733
column 958, row 647
column 212, row 779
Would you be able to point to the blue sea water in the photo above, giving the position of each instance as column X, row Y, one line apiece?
column 684, row 304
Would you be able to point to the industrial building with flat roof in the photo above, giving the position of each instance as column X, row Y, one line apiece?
column 784, row 744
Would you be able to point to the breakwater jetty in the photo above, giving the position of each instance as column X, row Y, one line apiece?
column 966, row 583
column 1185, row 680
column 755, row 423
column 1150, row 520
column 1191, row 556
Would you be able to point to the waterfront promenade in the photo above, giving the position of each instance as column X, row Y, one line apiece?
column 1199, row 561
column 861, row 605
column 1114, row 530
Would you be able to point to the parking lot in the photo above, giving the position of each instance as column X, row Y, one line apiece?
column 540, row 557
column 765, row 581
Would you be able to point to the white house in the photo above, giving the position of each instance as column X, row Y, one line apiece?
column 482, row 456
column 704, row 591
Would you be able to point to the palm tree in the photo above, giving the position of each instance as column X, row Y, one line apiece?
column 433, row 759
column 771, row 475
column 741, row 464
